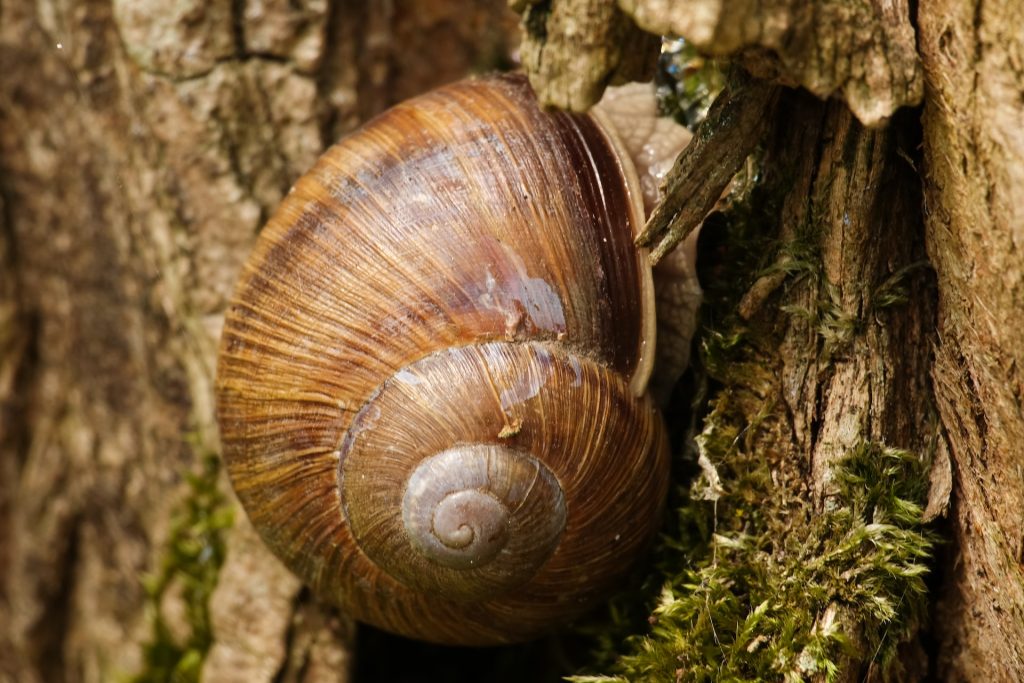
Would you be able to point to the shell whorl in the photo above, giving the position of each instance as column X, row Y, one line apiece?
column 453, row 284
column 462, row 506
column 513, row 428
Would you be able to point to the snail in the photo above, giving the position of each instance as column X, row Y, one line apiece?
column 432, row 380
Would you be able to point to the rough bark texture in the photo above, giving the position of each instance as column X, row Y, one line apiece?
column 973, row 54
column 572, row 49
column 141, row 146
column 849, row 353
column 861, row 50
column 856, row 369
column 143, row 143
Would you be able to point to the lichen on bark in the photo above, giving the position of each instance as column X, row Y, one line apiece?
column 187, row 573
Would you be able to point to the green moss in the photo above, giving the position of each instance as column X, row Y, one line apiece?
column 799, row 262
column 195, row 552
column 893, row 291
column 770, row 595
column 834, row 324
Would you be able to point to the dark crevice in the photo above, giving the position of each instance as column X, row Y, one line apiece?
column 50, row 630
column 233, row 157
column 287, row 670
column 382, row 656
column 328, row 71
column 233, row 142
column 280, row 169
column 217, row 63
column 945, row 567
column 18, row 346
column 15, row 414
column 9, row 255
column 261, row 56
column 821, row 139
column 817, row 417
column 535, row 20
column 238, row 27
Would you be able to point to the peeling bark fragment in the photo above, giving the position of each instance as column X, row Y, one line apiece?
column 861, row 50
column 735, row 124
column 572, row 49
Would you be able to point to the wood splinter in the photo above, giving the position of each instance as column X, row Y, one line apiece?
column 736, row 122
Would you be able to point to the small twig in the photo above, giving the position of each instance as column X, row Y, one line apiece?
column 735, row 124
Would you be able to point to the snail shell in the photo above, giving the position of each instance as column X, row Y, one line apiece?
column 431, row 384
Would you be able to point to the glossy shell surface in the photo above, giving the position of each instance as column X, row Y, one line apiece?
column 431, row 385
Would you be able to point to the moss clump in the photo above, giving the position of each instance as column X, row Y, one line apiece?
column 770, row 596
column 195, row 552
column 894, row 290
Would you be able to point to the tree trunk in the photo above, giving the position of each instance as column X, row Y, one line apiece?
column 142, row 145
column 974, row 200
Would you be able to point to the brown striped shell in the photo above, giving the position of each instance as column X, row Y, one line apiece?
column 431, row 384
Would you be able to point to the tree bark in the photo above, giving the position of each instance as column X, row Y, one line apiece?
column 142, row 144
column 974, row 198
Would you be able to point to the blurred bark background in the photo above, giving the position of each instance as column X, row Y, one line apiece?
column 143, row 144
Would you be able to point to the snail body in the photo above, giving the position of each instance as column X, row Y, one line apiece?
column 432, row 377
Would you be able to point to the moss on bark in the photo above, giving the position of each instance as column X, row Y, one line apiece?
column 800, row 550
